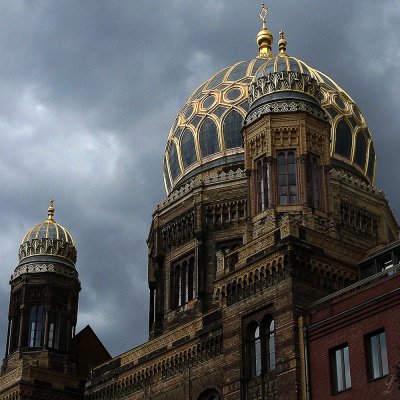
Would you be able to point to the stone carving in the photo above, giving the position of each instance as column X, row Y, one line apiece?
column 179, row 230
column 282, row 81
column 160, row 369
column 35, row 268
column 197, row 182
column 284, row 106
column 46, row 246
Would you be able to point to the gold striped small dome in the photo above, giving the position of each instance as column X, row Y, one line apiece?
column 48, row 238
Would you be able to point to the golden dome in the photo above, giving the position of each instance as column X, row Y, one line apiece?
column 207, row 131
column 48, row 238
column 352, row 147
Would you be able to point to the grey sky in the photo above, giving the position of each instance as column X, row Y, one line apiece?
column 89, row 90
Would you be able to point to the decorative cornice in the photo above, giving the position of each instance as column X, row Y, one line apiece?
column 48, row 247
column 197, row 182
column 356, row 182
column 34, row 268
column 284, row 81
column 285, row 106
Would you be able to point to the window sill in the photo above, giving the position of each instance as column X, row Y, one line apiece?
column 371, row 380
column 342, row 391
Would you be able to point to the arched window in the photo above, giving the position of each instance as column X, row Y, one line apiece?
column 210, row 394
column 232, row 130
column 287, row 181
column 208, row 138
column 269, row 344
column 35, row 326
column 260, row 347
column 188, row 150
column 371, row 161
column 183, row 281
column 262, row 184
column 361, row 150
column 173, row 161
column 343, row 139
column 254, row 350
column 54, row 330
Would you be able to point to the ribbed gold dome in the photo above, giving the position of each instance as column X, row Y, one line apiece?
column 207, row 130
column 352, row 147
column 48, row 238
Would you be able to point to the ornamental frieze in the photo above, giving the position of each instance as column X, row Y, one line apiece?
column 284, row 81
column 34, row 268
column 46, row 246
column 285, row 106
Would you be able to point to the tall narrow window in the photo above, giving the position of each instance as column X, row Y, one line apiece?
column 173, row 161
column 188, row 150
column 53, row 341
column 287, row 182
column 360, row 154
column 377, row 362
column 340, row 369
column 269, row 344
column 254, row 350
column 35, row 326
column 232, row 130
column 14, row 331
column 262, row 184
column 314, row 182
column 182, row 282
column 191, row 279
column 208, row 136
column 344, row 139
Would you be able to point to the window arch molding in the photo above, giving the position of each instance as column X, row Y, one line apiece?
column 259, row 346
column 210, row 393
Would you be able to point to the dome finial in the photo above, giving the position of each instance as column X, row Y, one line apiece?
column 264, row 37
column 50, row 210
column 282, row 43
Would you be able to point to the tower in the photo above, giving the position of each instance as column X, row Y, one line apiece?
column 44, row 359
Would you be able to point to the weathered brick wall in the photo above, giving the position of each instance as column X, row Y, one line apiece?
column 348, row 320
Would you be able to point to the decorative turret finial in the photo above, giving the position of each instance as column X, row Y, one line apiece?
column 282, row 43
column 50, row 210
column 263, row 15
column 264, row 37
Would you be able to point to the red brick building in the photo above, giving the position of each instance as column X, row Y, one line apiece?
column 352, row 337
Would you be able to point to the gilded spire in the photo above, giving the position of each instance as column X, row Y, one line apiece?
column 282, row 43
column 50, row 210
column 264, row 37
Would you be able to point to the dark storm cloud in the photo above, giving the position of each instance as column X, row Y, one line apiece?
column 89, row 90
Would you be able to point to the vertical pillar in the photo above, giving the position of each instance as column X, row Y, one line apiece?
column 21, row 326
column 8, row 337
column 45, row 327
column 151, row 309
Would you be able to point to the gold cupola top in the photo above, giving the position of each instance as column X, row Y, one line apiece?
column 48, row 238
column 282, row 43
column 50, row 210
column 264, row 37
